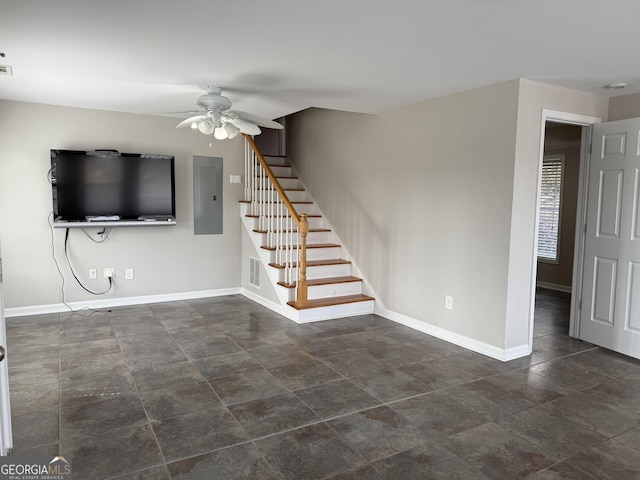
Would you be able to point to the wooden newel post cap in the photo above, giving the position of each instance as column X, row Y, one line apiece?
column 304, row 224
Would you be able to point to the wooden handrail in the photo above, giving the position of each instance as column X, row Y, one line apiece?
column 302, row 223
column 273, row 179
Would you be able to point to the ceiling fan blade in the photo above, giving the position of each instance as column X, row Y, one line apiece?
column 189, row 121
column 256, row 119
column 244, row 126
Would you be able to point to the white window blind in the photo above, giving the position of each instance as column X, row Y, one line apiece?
column 550, row 205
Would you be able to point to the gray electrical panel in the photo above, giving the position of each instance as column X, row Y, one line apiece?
column 207, row 195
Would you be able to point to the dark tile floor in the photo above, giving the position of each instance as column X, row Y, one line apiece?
column 222, row 388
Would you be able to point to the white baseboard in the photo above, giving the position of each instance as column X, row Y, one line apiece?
column 457, row 339
column 554, row 286
column 479, row 347
column 117, row 302
column 313, row 314
column 271, row 305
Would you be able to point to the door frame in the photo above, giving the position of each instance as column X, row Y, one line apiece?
column 6, row 435
column 587, row 123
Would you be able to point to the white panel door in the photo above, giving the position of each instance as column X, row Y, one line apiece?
column 6, row 441
column 610, row 315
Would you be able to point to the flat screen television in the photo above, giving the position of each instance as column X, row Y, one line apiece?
column 106, row 185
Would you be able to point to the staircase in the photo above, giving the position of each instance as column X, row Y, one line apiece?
column 334, row 287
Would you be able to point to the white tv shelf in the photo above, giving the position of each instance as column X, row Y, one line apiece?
column 113, row 223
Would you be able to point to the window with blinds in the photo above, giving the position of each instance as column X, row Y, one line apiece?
column 550, row 206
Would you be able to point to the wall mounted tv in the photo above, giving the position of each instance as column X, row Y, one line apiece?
column 107, row 187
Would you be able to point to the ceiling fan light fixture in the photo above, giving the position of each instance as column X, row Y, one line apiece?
column 215, row 118
column 206, row 126
column 220, row 133
column 231, row 130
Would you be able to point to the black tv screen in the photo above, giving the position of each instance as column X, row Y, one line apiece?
column 130, row 186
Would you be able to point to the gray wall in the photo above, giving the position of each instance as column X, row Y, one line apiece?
column 624, row 106
column 167, row 260
column 439, row 199
column 421, row 197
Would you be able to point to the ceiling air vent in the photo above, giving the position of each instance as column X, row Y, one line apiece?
column 5, row 70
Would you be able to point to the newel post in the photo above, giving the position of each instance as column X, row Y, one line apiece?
column 303, row 228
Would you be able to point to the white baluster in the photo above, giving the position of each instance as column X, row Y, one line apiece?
column 262, row 204
column 271, row 237
column 279, row 227
column 254, row 185
column 246, row 171
column 296, row 270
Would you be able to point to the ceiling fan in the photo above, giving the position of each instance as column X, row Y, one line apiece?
column 215, row 118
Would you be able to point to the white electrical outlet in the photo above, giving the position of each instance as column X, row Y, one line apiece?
column 128, row 274
column 448, row 302
column 109, row 272
column 93, row 274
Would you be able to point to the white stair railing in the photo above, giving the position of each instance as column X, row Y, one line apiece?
column 285, row 230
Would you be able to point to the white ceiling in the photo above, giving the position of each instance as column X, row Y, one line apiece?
column 277, row 57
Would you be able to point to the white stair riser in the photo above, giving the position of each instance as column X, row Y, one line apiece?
column 317, row 222
column 268, row 213
column 275, row 160
column 308, row 208
column 328, row 271
column 314, row 272
column 292, row 195
column 334, row 290
column 334, row 311
column 282, row 276
column 314, row 222
column 323, row 253
column 324, row 291
column 271, row 209
column 289, row 182
column 278, row 171
column 284, row 238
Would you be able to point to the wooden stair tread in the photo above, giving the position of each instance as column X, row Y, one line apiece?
column 323, row 281
column 329, row 302
column 315, row 263
column 282, row 231
column 309, row 245
column 302, row 202
column 309, row 215
column 296, row 189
